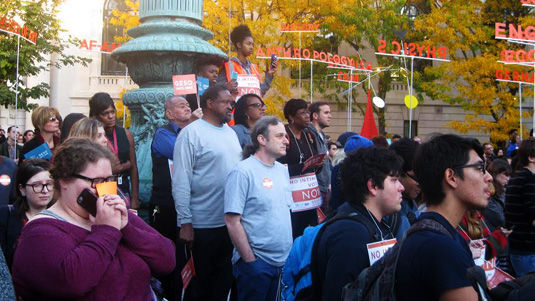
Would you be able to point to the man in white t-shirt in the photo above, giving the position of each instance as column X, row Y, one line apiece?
column 257, row 212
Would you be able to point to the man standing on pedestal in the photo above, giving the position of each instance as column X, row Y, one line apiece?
column 204, row 154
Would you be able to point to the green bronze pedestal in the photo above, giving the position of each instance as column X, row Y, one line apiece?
column 168, row 42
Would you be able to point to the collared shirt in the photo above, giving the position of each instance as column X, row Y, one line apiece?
column 164, row 142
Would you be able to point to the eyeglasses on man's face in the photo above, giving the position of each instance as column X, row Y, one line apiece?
column 478, row 165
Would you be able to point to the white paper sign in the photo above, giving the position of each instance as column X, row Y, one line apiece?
column 305, row 192
column 376, row 250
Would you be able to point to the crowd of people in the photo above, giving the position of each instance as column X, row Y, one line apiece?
column 264, row 210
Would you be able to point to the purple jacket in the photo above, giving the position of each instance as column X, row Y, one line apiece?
column 58, row 260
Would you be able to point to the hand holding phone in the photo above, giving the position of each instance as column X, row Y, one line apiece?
column 273, row 66
column 88, row 200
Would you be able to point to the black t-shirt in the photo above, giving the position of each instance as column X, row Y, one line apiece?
column 432, row 263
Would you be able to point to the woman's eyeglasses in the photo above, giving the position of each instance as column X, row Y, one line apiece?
column 53, row 118
column 95, row 181
column 258, row 105
column 39, row 187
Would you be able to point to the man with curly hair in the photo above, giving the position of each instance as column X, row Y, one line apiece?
column 370, row 182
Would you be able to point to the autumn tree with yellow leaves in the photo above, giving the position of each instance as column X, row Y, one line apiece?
column 466, row 28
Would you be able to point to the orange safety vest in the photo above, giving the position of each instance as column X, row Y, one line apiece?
column 238, row 69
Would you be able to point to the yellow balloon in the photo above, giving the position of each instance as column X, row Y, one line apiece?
column 408, row 101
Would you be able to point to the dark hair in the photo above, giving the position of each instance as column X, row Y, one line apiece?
column 239, row 33
column 333, row 143
column 261, row 127
column 496, row 167
column 241, row 108
column 9, row 128
column 368, row 163
column 315, row 107
column 380, row 141
column 72, row 157
column 69, row 121
column 396, row 136
column 406, row 148
column 212, row 93
column 26, row 170
column 201, row 63
column 24, row 135
column 435, row 156
column 292, row 106
column 526, row 150
column 99, row 102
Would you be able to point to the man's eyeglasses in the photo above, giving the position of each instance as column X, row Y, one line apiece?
column 479, row 165
column 95, row 181
column 258, row 105
column 38, row 187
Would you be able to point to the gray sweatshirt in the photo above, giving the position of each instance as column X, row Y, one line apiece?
column 202, row 158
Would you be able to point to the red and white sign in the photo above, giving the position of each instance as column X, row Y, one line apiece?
column 313, row 162
column 248, row 84
column 184, row 84
column 376, row 250
column 305, row 192
column 5, row 180
column 187, row 273
column 297, row 27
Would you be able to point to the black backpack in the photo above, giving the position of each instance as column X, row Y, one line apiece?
column 378, row 281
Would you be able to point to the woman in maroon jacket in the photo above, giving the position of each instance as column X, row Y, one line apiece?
column 66, row 253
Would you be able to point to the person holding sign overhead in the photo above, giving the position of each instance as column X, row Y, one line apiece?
column 46, row 120
column 304, row 184
column 121, row 142
column 237, row 69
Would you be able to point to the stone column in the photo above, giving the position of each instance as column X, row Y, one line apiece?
column 167, row 42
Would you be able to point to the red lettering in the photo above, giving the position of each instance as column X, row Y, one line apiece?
column 521, row 55
column 271, row 51
column 287, row 52
column 285, row 27
column 306, row 53
column 431, row 52
column 316, row 55
column 336, row 59
column 351, row 62
column 343, row 60
column 442, row 52
column 499, row 74
column 260, row 52
column 323, row 56
column 507, row 75
column 92, row 44
column 420, row 49
column 382, row 46
column 114, row 46
column 396, row 43
column 369, row 66
column 105, row 47
column 531, row 55
column 529, row 33
column 515, row 33
column 515, row 76
column 499, row 30
column 83, row 44
column 412, row 48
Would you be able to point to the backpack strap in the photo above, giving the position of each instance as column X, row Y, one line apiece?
column 394, row 223
column 340, row 215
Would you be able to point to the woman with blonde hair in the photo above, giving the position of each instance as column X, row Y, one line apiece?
column 47, row 121
column 89, row 128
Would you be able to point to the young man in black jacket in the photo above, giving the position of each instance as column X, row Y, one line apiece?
column 370, row 182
